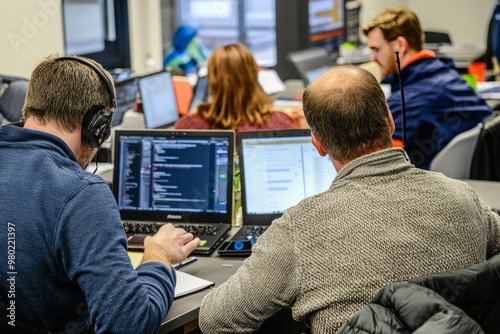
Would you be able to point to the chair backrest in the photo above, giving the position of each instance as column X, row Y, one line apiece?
column 437, row 37
column 485, row 164
column 454, row 160
column 12, row 100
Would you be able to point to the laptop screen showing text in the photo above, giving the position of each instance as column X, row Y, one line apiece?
column 281, row 171
column 200, row 94
column 158, row 100
column 126, row 92
column 173, row 174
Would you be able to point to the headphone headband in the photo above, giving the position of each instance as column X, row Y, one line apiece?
column 104, row 78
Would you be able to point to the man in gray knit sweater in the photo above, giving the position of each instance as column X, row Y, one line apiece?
column 382, row 220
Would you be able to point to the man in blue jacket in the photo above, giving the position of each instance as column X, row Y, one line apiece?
column 64, row 261
column 439, row 103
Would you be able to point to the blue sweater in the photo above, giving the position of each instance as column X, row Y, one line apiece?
column 71, row 262
column 439, row 106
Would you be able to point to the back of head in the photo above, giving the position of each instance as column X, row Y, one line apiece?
column 398, row 21
column 347, row 111
column 232, row 67
column 62, row 91
column 234, row 88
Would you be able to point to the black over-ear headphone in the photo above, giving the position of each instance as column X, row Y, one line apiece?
column 96, row 124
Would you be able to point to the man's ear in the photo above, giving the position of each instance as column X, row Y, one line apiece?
column 321, row 150
column 402, row 45
column 391, row 122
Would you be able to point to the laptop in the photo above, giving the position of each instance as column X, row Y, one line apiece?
column 158, row 100
column 126, row 94
column 181, row 177
column 278, row 168
column 200, row 92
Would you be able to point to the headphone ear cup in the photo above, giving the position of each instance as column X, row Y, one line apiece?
column 96, row 126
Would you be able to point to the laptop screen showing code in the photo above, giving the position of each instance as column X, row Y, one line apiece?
column 173, row 173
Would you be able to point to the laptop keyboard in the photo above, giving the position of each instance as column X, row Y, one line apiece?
column 131, row 227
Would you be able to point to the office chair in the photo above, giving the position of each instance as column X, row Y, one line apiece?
column 454, row 160
column 485, row 164
column 12, row 99
column 437, row 37
column 465, row 298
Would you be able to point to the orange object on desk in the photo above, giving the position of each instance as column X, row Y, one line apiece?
column 297, row 115
column 479, row 69
column 183, row 93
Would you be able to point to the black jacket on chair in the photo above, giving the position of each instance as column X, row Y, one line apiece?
column 485, row 164
column 464, row 301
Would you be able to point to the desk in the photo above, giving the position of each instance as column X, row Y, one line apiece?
column 185, row 309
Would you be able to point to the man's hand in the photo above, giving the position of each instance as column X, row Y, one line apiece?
column 169, row 245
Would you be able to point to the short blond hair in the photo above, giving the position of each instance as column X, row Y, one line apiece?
column 395, row 22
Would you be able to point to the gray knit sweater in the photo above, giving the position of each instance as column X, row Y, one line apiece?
column 381, row 221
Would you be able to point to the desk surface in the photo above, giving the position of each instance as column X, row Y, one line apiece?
column 214, row 268
column 186, row 308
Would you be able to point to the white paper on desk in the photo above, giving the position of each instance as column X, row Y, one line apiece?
column 489, row 90
column 271, row 82
column 187, row 283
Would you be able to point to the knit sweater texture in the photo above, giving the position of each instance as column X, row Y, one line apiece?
column 381, row 221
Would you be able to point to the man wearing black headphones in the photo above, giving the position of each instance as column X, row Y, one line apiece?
column 63, row 249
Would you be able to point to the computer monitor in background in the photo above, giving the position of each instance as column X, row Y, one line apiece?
column 327, row 24
column 310, row 63
column 126, row 94
column 158, row 100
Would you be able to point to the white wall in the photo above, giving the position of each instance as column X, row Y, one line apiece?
column 146, row 51
column 30, row 30
column 466, row 20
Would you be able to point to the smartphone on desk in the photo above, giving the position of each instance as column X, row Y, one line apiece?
column 236, row 248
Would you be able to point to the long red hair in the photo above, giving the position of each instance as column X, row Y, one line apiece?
column 234, row 89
